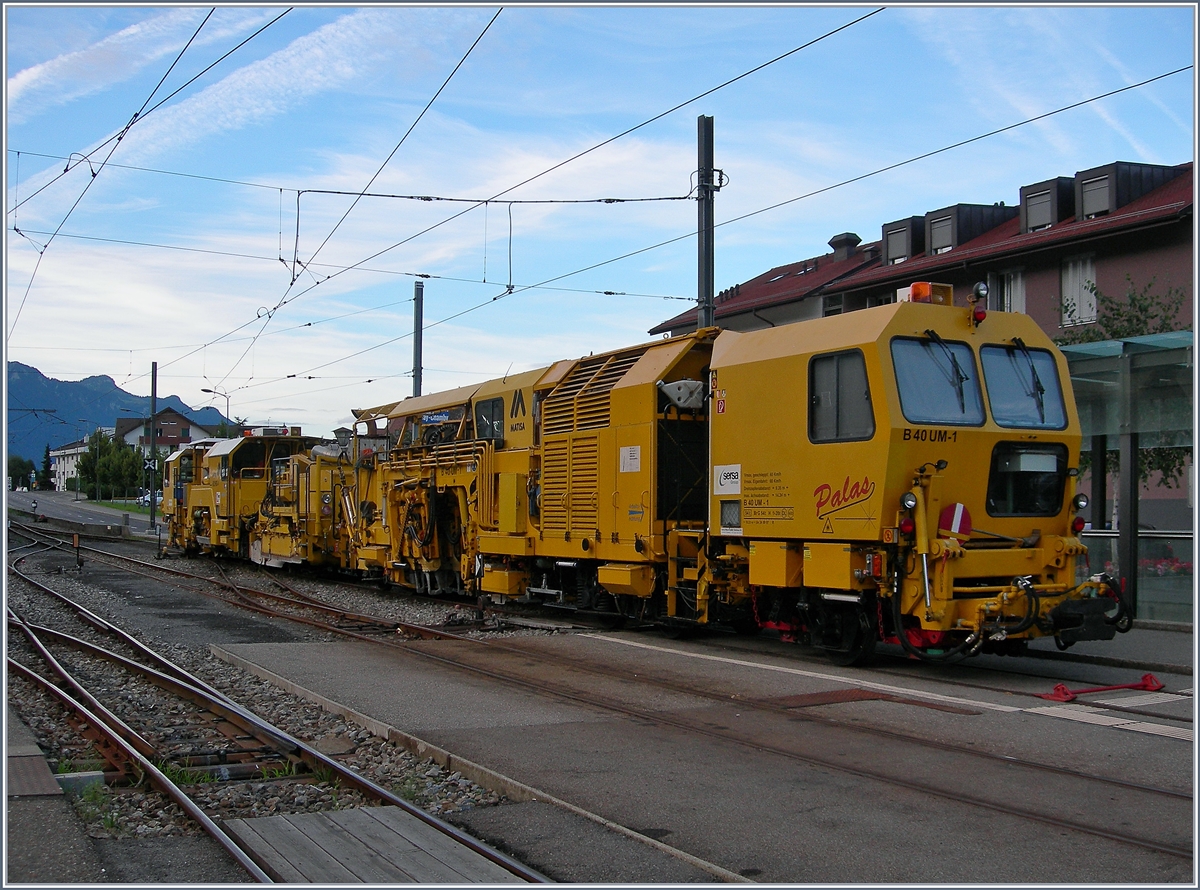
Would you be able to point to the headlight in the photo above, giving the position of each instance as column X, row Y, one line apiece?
column 908, row 500
column 1080, row 501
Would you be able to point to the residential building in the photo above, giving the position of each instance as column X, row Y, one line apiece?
column 1039, row 255
column 172, row 429
column 64, row 461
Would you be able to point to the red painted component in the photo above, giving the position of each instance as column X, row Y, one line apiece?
column 1078, row 524
column 788, row 630
column 907, row 525
column 1149, row 683
column 955, row 522
column 980, row 314
column 922, row 639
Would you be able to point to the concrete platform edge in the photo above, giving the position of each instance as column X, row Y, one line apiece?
column 477, row 773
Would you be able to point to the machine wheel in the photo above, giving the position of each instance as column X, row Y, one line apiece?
column 745, row 626
column 858, row 638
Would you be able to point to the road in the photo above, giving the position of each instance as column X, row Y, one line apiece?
column 62, row 505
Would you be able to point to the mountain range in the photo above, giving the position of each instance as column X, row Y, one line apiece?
column 43, row 411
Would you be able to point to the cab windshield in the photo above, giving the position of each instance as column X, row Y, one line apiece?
column 938, row 381
column 1023, row 387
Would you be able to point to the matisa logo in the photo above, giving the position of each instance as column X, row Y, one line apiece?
column 830, row 499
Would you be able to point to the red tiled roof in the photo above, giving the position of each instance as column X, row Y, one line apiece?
column 783, row 284
column 1170, row 201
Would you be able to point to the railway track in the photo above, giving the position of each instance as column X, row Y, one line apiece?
column 292, row 604
column 153, row 722
column 521, row 666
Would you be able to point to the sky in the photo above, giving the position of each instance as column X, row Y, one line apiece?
column 206, row 237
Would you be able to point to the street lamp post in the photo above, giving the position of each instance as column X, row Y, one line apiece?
column 217, row 392
column 78, row 478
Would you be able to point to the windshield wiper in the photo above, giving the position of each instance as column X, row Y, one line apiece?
column 959, row 377
column 1038, row 390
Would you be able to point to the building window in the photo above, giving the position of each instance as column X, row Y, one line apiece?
column 831, row 305
column 940, row 235
column 897, row 246
column 1038, row 211
column 1006, row 291
column 882, row 299
column 839, row 399
column 1078, row 296
column 184, row 431
column 1095, row 197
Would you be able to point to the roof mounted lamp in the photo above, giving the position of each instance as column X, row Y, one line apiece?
column 979, row 294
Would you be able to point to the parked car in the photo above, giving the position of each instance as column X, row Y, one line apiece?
column 144, row 500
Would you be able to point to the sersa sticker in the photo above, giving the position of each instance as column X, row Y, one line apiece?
column 727, row 479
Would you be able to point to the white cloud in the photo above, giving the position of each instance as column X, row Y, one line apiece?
column 118, row 57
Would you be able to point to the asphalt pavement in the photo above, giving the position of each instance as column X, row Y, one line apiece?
column 1149, row 647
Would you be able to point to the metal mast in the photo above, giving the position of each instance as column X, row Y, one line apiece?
column 705, row 189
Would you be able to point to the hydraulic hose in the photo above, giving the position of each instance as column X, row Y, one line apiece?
column 1032, row 609
column 967, row 648
column 1123, row 620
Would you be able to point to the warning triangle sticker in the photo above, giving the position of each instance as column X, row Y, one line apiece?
column 828, row 529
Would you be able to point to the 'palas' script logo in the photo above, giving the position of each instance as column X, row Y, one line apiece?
column 831, row 500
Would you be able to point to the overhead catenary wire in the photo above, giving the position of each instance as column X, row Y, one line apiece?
column 148, row 112
column 271, row 312
column 557, row 166
column 600, row 145
column 136, row 115
column 397, row 272
column 878, row 171
column 777, row 205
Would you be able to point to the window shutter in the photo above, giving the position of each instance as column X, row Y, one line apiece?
column 1095, row 197
column 940, row 235
column 1037, row 211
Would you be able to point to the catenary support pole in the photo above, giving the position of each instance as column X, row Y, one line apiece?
column 704, row 221
column 153, row 437
column 418, row 324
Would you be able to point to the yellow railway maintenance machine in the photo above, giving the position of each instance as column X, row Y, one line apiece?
column 558, row 486
column 182, row 470
column 218, row 511
column 904, row 473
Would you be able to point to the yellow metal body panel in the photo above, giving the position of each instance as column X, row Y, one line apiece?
column 832, row 566
column 775, row 563
column 506, row 582
column 791, row 488
column 517, row 390
column 623, row 578
column 507, row 545
column 514, row 503
column 433, row 401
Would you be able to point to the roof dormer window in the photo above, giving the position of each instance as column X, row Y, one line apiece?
column 941, row 235
column 1096, row 200
column 1038, row 211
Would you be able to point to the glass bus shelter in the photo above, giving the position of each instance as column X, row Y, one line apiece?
column 1135, row 399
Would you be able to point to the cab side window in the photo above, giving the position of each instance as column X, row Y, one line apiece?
column 489, row 419
column 839, row 398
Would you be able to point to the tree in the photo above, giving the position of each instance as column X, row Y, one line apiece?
column 119, row 467
column 20, row 471
column 1137, row 314
column 45, row 476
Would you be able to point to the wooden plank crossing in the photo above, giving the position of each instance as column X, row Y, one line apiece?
column 367, row 845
